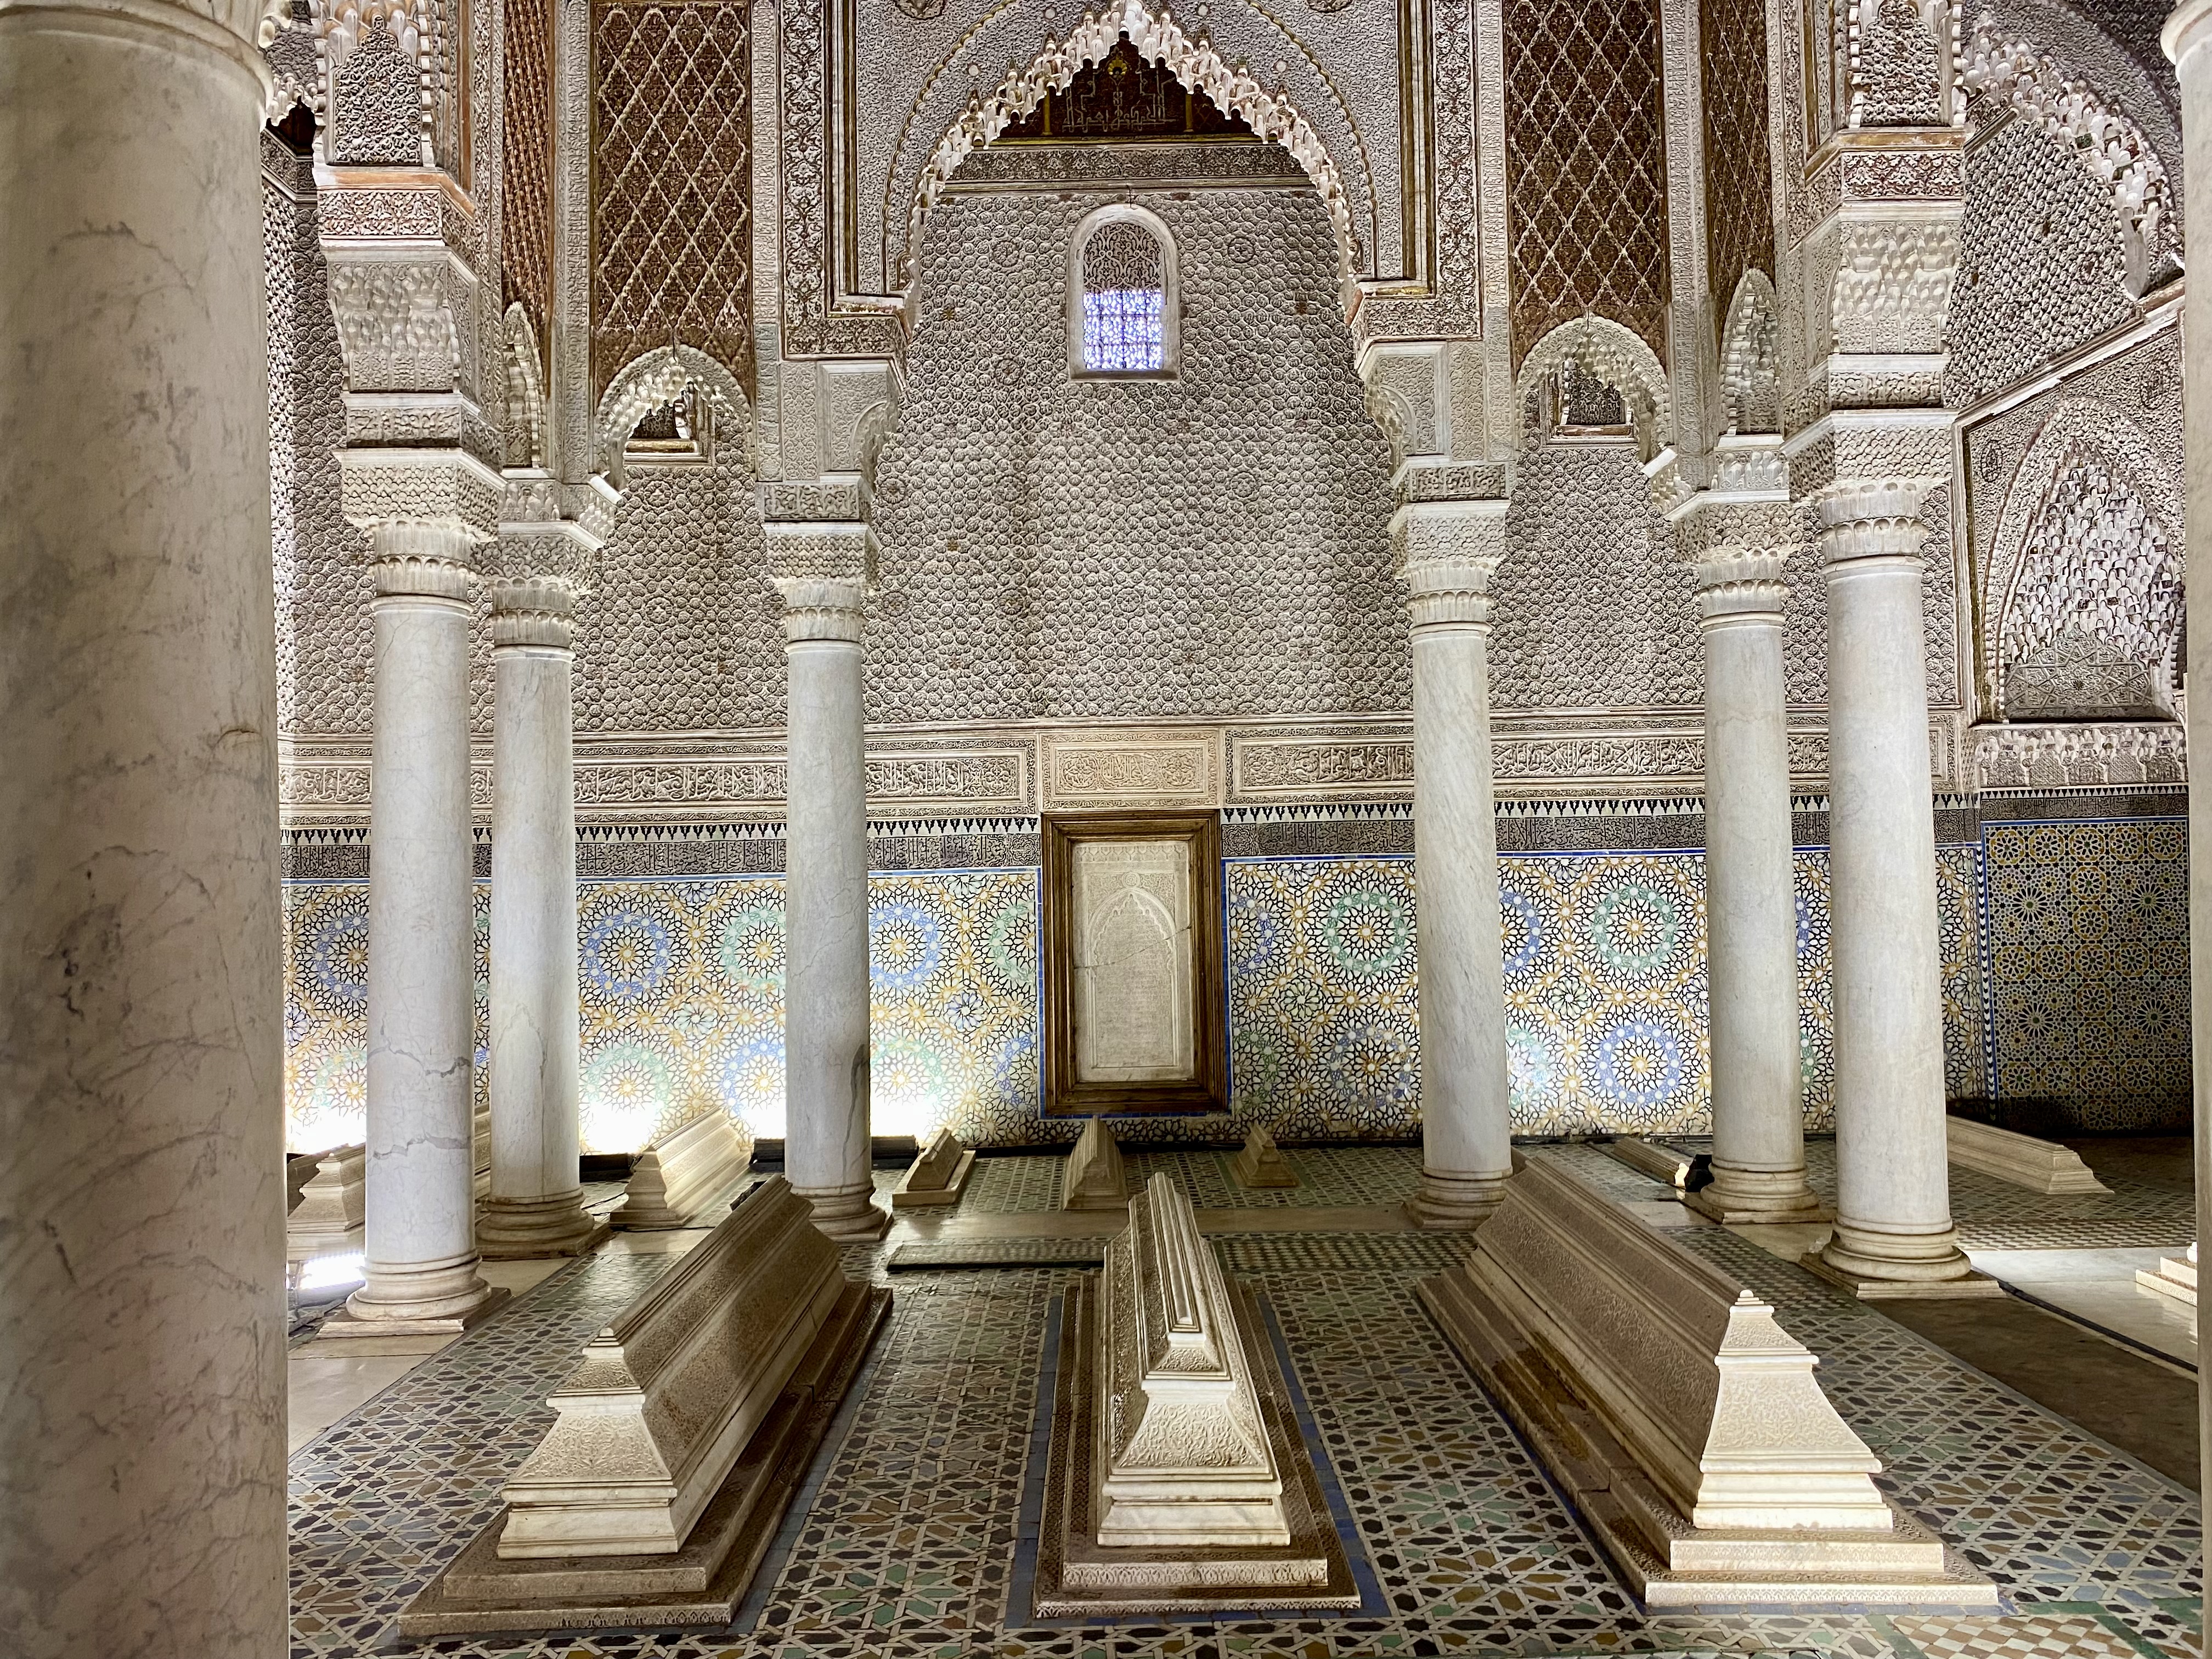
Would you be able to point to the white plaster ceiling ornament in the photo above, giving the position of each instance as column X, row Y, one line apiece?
column 1192, row 60
column 2014, row 73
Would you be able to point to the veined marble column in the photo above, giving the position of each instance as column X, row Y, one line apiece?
column 825, row 905
column 535, row 1206
column 1448, row 552
column 1893, row 1191
column 1751, row 911
column 141, row 1281
column 2188, row 41
column 421, row 1273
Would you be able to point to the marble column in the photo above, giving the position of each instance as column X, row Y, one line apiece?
column 1751, row 912
column 825, row 899
column 1893, row 1196
column 142, row 1280
column 1448, row 552
column 2188, row 41
column 420, row 1272
column 535, row 1206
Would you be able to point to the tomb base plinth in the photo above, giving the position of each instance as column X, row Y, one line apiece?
column 1078, row 1577
column 702, row 1583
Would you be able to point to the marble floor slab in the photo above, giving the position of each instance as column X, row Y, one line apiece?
column 906, row 1545
column 2099, row 1288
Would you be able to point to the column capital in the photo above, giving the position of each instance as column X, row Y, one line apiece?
column 818, row 608
column 417, row 559
column 824, row 568
column 1448, row 551
column 533, row 611
column 237, row 29
column 431, row 487
column 1740, row 584
column 1871, row 518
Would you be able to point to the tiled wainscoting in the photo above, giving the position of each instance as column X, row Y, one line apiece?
column 2064, row 970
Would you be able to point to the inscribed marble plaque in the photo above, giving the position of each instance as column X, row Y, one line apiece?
column 1135, row 1013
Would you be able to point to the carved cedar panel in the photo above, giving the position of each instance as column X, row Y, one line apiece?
column 1739, row 168
column 1586, row 167
column 672, row 204
column 525, row 248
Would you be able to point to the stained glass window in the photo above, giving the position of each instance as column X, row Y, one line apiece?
column 1124, row 301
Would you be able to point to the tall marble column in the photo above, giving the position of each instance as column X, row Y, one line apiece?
column 825, row 985
column 1751, row 909
column 1448, row 551
column 1893, row 1194
column 535, row 1206
column 142, row 1286
column 421, row 1273
column 2188, row 41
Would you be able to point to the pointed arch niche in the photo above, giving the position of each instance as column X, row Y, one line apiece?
column 1345, row 185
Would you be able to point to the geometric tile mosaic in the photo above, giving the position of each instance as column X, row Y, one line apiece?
column 2088, row 929
column 909, row 1546
column 2063, row 962
column 680, row 993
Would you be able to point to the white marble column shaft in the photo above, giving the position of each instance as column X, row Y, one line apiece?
column 142, row 1190
column 2188, row 41
column 536, row 1205
column 825, row 898
column 1466, row 1152
column 1751, row 910
column 1894, row 1203
column 420, row 1225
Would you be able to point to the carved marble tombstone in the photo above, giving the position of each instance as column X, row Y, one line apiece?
column 938, row 1177
column 677, row 1180
column 1683, row 1421
column 1093, row 1178
column 2041, row 1166
column 328, row 1219
column 1178, row 1479
column 1261, row 1163
column 681, row 1435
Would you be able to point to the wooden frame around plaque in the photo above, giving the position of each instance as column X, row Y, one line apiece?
column 1139, row 1026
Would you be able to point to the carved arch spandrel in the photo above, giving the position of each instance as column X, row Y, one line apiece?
column 658, row 377
column 2018, row 73
column 1604, row 348
column 1340, row 169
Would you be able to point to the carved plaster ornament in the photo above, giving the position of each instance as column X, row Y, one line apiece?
column 2014, row 73
column 1160, row 38
column 1606, row 352
column 660, row 378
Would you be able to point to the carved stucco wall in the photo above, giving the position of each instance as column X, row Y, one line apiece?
column 321, row 578
column 1214, row 545
column 680, row 629
column 2040, row 267
column 2130, row 404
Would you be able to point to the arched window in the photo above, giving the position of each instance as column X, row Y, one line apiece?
column 1122, row 321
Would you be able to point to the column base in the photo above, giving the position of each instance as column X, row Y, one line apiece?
column 1881, row 1267
column 1758, row 1198
column 1455, row 1203
column 557, row 1224
column 440, row 1299
column 849, row 1218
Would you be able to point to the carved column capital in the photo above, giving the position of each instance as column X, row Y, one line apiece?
column 1739, row 584
column 817, row 609
column 1871, row 518
column 1448, row 551
column 825, row 570
column 421, row 561
column 534, row 611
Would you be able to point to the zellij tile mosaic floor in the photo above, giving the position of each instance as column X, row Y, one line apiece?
column 905, row 1542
